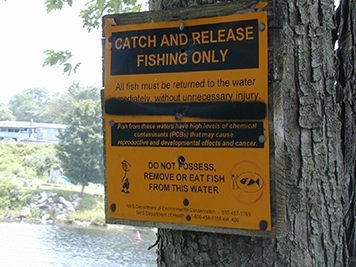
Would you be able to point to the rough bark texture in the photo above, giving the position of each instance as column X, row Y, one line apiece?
column 302, row 74
column 346, row 82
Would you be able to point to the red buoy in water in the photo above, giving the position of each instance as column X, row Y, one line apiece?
column 138, row 236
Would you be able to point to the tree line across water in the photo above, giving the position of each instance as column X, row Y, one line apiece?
column 80, row 147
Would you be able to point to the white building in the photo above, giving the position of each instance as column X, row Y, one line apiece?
column 28, row 131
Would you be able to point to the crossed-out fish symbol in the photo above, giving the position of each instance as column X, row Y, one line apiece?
column 248, row 182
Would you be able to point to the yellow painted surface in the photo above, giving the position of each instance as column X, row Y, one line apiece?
column 222, row 184
column 261, row 4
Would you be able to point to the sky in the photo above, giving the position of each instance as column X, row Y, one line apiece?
column 27, row 30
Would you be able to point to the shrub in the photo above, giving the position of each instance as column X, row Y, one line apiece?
column 11, row 197
column 20, row 160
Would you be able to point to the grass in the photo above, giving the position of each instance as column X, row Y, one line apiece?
column 26, row 161
column 90, row 208
column 14, row 198
column 24, row 170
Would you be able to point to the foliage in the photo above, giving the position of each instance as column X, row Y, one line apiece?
column 90, row 208
column 11, row 196
column 56, row 4
column 60, row 58
column 91, row 17
column 95, row 9
column 77, row 93
column 26, row 160
column 28, row 105
column 6, row 114
column 14, row 197
column 80, row 147
column 55, row 109
column 40, row 106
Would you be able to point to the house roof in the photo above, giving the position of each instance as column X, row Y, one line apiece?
column 30, row 124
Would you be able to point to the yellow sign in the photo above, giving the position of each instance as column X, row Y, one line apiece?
column 187, row 134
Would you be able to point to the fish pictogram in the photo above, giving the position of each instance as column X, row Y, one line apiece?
column 247, row 183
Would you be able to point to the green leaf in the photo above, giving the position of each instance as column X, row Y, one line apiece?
column 60, row 58
column 94, row 10
column 52, row 5
column 53, row 58
column 91, row 16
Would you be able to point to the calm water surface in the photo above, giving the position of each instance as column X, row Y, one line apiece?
column 23, row 244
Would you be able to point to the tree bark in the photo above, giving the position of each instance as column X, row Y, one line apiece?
column 346, row 85
column 82, row 190
column 319, row 131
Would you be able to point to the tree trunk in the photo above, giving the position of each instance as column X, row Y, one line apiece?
column 346, row 85
column 319, row 134
column 82, row 190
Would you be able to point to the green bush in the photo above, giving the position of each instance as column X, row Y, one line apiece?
column 21, row 160
column 11, row 196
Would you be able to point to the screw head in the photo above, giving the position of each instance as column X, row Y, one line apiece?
column 263, row 225
column 181, row 26
column 261, row 27
column 188, row 218
column 186, row 202
column 113, row 207
column 179, row 116
column 261, row 139
column 181, row 160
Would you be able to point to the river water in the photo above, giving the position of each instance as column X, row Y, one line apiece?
column 23, row 244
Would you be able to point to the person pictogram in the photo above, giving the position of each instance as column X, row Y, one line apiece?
column 125, row 179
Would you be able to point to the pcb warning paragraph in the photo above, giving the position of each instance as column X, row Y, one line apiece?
column 193, row 134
